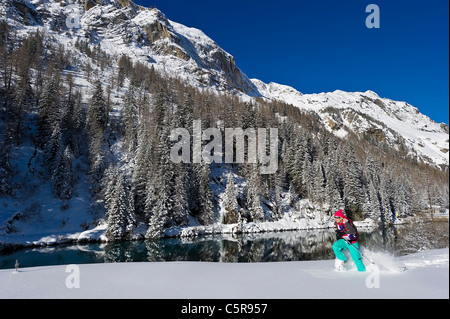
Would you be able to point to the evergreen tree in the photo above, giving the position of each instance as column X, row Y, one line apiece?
column 98, row 148
column 119, row 206
column 142, row 167
column 150, row 195
column 352, row 179
column 97, row 117
column 295, row 169
column 109, row 185
column 184, row 115
column 373, row 202
column 402, row 197
column 229, row 202
column 332, row 187
column 249, row 116
column 62, row 177
column 98, row 160
column 53, row 149
column 206, row 213
column 307, row 176
column 386, row 195
column 23, row 99
column 130, row 114
column 162, row 209
column 159, row 107
column 48, row 113
column 77, row 138
column 164, row 186
column 254, row 195
column 319, row 183
column 181, row 205
column 6, row 166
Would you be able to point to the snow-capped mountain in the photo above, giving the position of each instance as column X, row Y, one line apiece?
column 144, row 34
column 69, row 110
column 147, row 35
column 386, row 120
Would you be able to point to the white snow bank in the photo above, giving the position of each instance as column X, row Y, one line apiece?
column 427, row 277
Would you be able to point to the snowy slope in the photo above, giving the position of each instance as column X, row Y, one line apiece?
column 427, row 277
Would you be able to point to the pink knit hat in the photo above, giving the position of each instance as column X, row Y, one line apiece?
column 339, row 213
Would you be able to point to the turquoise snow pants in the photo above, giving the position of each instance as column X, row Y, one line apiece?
column 342, row 245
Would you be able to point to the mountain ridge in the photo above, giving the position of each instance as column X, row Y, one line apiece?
column 422, row 134
column 121, row 27
column 89, row 94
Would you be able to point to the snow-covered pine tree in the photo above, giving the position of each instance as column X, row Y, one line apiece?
column 163, row 209
column 6, row 166
column 332, row 187
column 98, row 148
column 23, row 100
column 371, row 180
column 373, row 202
column 254, row 195
column 160, row 108
column 278, row 186
column 229, row 202
column 148, row 156
column 386, row 195
column 180, row 202
column 206, row 213
column 353, row 186
column 150, row 195
column 97, row 116
column 308, row 176
column 121, row 219
column 48, row 111
column 77, row 138
column 53, row 149
column 130, row 118
column 402, row 196
column 98, row 161
column 249, row 116
column 62, row 177
column 142, row 165
column 297, row 155
column 109, row 185
column 319, row 183
column 184, row 115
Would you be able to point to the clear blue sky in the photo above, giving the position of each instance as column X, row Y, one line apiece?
column 324, row 45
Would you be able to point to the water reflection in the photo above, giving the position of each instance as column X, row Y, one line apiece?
column 285, row 246
column 265, row 247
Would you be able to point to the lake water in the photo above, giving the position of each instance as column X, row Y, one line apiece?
column 265, row 247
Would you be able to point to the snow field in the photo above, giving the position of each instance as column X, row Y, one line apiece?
column 426, row 277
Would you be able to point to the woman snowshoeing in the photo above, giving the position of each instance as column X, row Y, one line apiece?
column 347, row 236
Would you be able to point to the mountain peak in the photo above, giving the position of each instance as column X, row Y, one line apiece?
column 89, row 4
column 145, row 34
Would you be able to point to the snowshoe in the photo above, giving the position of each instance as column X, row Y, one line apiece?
column 339, row 265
